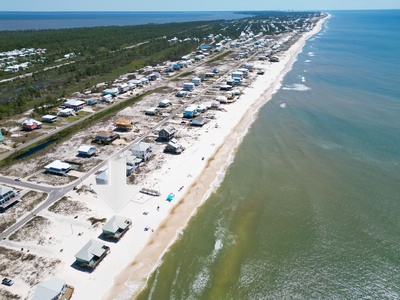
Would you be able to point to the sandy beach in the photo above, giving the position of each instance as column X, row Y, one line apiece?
column 191, row 176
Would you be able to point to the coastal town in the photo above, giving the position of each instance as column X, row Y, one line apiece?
column 91, row 217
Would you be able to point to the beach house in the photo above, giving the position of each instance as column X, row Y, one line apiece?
column 91, row 254
column 58, row 167
column 142, row 150
column 188, row 86
column 53, row 289
column 164, row 103
column 66, row 112
column 124, row 124
column 190, row 112
column 49, row 118
column 174, row 147
column 74, row 104
column 7, row 197
column 116, row 227
column 31, row 124
column 86, row 151
column 167, row 133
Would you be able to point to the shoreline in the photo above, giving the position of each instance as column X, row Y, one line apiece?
column 133, row 278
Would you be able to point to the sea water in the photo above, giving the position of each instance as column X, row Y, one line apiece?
column 310, row 207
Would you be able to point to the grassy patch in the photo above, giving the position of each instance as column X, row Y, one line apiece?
column 219, row 57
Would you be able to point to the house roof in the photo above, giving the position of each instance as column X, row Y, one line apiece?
column 57, row 164
column 74, row 102
column 30, row 122
column 49, row 289
column 49, row 117
column 91, row 249
column 170, row 129
column 198, row 121
column 85, row 148
column 142, row 146
column 115, row 223
column 4, row 189
column 66, row 110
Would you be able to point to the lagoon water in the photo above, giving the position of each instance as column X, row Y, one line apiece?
column 58, row 20
column 310, row 207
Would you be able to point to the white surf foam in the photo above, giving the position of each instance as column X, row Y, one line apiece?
column 283, row 105
column 296, row 87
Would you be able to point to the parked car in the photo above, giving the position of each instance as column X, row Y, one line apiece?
column 18, row 179
column 7, row 281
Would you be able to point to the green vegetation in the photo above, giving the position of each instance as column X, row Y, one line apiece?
column 101, row 54
column 69, row 131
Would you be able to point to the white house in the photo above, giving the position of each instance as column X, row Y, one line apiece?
column 152, row 111
column 164, row 103
column 74, row 104
column 49, row 118
column 142, row 150
column 58, row 167
column 66, row 112
column 86, row 151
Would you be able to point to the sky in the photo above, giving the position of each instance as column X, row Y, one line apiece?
column 199, row 5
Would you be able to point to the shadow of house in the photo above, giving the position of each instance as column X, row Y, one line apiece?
column 91, row 255
column 116, row 227
column 167, row 133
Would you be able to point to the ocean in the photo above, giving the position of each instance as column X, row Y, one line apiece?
column 310, row 206
column 59, row 20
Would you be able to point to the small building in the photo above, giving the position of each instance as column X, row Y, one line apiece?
column 105, row 137
column 142, row 150
column 190, row 112
column 92, row 102
column 66, row 112
column 53, row 289
column 151, row 77
column 102, row 178
column 112, row 92
column 123, row 88
column 196, row 81
column 237, row 74
column 31, row 124
column 248, row 65
column 7, row 197
column 74, row 104
column 152, row 111
column 92, row 254
column 164, row 103
column 181, row 94
column 107, row 98
column 124, row 124
column 225, row 87
column 174, row 147
column 58, row 167
column 86, row 151
column 274, row 59
column 188, row 86
column 198, row 121
column 201, row 108
column 244, row 71
column 116, row 227
column 167, row 133
column 209, row 74
column 221, row 99
column 49, row 118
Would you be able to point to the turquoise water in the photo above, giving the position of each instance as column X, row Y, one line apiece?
column 310, row 207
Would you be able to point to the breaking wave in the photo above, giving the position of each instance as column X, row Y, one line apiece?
column 296, row 87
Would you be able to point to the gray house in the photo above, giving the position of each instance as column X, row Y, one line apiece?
column 116, row 227
column 7, row 197
column 92, row 254
column 174, row 147
column 167, row 133
column 142, row 150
